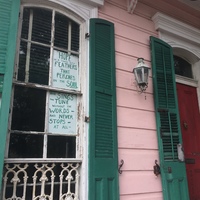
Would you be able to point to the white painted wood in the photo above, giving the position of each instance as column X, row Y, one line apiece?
column 186, row 81
column 131, row 5
column 27, row 67
column 185, row 42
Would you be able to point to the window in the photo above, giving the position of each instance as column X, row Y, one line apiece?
column 182, row 67
column 47, row 87
column 43, row 159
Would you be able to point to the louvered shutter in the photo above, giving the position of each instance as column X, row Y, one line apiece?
column 173, row 171
column 9, row 12
column 103, row 164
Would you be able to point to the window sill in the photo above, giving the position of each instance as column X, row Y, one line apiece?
column 42, row 160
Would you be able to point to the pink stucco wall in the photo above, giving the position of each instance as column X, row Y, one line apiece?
column 137, row 139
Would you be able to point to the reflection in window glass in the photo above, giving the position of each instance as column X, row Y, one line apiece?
column 41, row 32
column 75, row 37
column 39, row 64
column 22, row 61
column 61, row 147
column 64, row 28
column 37, row 69
column 61, row 31
column 26, row 14
column 182, row 67
column 28, row 109
column 25, row 146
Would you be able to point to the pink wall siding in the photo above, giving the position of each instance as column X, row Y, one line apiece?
column 137, row 140
column 136, row 118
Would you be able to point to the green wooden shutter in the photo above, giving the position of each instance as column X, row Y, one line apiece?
column 173, row 171
column 103, row 157
column 9, row 12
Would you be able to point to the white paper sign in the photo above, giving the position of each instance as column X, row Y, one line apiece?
column 65, row 71
column 62, row 113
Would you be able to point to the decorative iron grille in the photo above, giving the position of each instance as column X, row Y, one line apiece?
column 41, row 181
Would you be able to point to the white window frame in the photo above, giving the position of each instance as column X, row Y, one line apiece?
column 185, row 42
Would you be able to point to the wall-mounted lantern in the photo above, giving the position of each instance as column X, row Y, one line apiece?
column 141, row 72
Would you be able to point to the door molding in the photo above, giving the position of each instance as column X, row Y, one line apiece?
column 184, row 39
column 177, row 33
column 186, row 81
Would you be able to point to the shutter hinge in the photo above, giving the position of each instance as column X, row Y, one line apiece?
column 87, row 119
column 87, row 35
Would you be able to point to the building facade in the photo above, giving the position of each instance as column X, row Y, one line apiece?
column 73, row 121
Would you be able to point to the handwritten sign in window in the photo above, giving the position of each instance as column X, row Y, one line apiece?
column 62, row 113
column 65, row 71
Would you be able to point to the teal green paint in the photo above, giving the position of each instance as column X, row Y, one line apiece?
column 9, row 13
column 173, row 172
column 103, row 151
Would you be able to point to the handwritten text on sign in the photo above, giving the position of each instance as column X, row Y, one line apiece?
column 62, row 113
column 65, row 70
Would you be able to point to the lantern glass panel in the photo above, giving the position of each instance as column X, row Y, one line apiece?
column 146, row 74
column 139, row 75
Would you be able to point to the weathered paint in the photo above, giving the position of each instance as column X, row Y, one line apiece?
column 137, row 138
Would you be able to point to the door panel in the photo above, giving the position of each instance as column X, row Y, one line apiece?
column 190, row 127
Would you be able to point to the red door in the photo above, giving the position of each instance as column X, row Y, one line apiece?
column 190, row 127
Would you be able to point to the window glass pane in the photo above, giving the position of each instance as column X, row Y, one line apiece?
column 25, row 23
column 22, row 61
column 61, row 31
column 25, row 146
column 182, row 67
column 61, row 147
column 39, row 64
column 75, row 37
column 37, row 69
column 28, row 109
column 41, row 30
